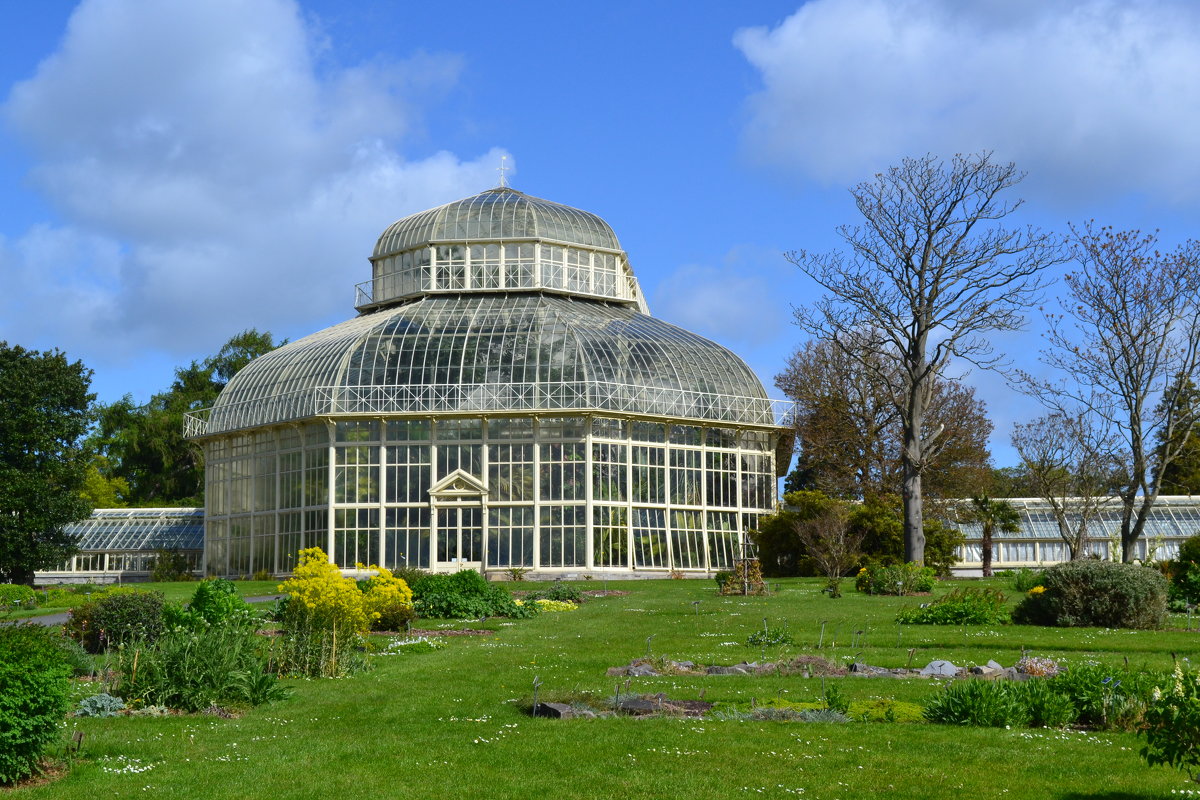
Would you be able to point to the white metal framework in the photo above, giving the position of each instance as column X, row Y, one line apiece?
column 1037, row 543
column 502, row 401
column 122, row 543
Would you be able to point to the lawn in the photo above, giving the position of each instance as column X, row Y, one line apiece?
column 447, row 723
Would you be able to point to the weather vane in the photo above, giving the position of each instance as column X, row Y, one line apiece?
column 503, row 170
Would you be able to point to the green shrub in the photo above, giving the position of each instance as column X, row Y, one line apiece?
column 15, row 595
column 68, row 596
column 34, row 697
column 969, row 606
column 465, row 595
column 993, row 704
column 559, row 591
column 216, row 600
column 115, row 617
column 895, row 579
column 769, row 637
column 1172, row 725
column 722, row 576
column 170, row 565
column 1025, row 579
column 189, row 670
column 1097, row 593
column 76, row 657
column 1185, row 575
column 1104, row 697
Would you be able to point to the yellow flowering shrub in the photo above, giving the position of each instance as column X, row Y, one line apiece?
column 1037, row 590
column 387, row 599
column 321, row 598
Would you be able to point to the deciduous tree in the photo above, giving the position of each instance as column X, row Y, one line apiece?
column 1071, row 464
column 144, row 445
column 930, row 274
column 850, row 435
column 1129, row 328
column 44, row 413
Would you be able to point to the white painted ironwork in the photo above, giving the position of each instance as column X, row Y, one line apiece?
column 575, row 396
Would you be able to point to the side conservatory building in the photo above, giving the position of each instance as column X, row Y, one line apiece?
column 503, row 399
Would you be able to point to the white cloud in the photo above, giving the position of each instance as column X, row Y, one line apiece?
column 738, row 303
column 1089, row 96
column 211, row 175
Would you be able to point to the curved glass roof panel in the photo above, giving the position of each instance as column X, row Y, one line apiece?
column 496, row 352
column 497, row 215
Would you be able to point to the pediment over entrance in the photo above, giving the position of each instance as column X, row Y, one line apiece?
column 458, row 484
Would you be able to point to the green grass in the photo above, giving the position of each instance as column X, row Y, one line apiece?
column 437, row 724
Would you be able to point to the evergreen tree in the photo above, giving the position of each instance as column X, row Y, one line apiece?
column 44, row 414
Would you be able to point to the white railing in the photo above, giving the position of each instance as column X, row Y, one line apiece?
column 573, row 396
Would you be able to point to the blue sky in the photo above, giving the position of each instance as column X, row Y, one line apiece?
column 174, row 172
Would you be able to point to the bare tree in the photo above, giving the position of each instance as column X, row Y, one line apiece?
column 1129, row 329
column 1070, row 463
column 929, row 275
column 831, row 544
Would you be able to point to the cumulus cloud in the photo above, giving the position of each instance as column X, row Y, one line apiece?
column 1090, row 96
column 211, row 173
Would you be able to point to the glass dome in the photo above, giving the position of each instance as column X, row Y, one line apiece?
column 534, row 352
column 499, row 240
column 500, row 213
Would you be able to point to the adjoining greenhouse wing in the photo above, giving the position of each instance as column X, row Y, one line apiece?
column 1038, row 542
column 503, row 400
column 120, row 544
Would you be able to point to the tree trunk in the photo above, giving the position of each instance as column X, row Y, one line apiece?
column 985, row 550
column 914, row 526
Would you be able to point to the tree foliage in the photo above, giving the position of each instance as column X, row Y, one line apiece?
column 848, row 426
column 783, row 552
column 1128, row 330
column 143, row 446
column 44, row 413
column 1181, row 475
column 931, row 273
column 992, row 515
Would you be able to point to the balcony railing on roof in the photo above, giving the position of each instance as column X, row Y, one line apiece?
column 573, row 396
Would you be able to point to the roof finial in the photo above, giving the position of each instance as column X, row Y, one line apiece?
column 503, row 170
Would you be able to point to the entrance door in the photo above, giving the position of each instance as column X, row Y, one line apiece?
column 459, row 538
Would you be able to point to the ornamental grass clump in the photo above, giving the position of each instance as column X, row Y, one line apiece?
column 1103, row 594
column 222, row 664
column 989, row 704
column 34, row 697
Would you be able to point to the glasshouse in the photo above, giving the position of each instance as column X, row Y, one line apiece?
column 1038, row 543
column 122, row 544
column 503, row 400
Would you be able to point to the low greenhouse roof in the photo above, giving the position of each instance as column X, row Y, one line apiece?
column 150, row 529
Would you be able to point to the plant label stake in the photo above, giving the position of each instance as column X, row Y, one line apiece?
column 696, row 607
column 648, row 638
column 912, row 651
column 821, row 641
column 537, row 684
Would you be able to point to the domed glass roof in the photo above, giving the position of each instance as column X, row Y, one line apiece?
column 497, row 214
column 495, row 353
